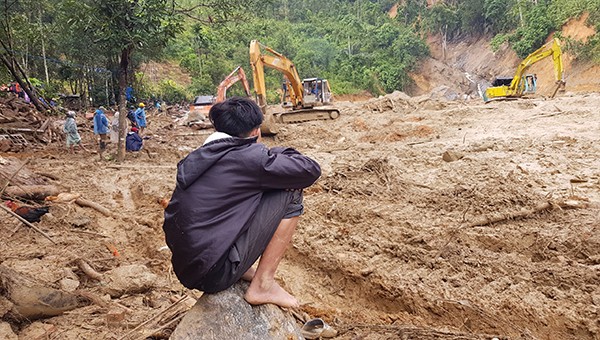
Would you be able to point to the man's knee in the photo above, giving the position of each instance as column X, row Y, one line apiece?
column 296, row 207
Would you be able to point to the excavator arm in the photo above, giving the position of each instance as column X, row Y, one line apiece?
column 517, row 86
column 302, row 108
column 278, row 62
column 236, row 75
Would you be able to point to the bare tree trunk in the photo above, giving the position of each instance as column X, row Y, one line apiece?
column 84, row 87
column 44, row 50
column 444, row 34
column 123, row 69
column 106, row 92
column 24, row 85
column 24, row 60
column 45, row 62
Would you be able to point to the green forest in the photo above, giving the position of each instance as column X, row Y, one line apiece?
column 95, row 48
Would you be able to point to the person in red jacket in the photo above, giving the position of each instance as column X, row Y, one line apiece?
column 235, row 201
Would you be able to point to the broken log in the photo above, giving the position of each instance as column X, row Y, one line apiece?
column 32, row 192
column 31, row 299
column 88, row 270
column 487, row 220
column 86, row 203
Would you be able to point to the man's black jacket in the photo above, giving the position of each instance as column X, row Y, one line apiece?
column 219, row 187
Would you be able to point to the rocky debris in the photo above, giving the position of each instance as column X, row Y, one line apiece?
column 81, row 221
column 70, row 282
column 130, row 279
column 444, row 93
column 451, row 156
column 391, row 102
column 226, row 315
column 38, row 331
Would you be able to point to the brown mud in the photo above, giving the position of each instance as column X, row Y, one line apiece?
column 386, row 247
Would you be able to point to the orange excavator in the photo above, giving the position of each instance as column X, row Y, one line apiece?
column 236, row 75
column 306, row 96
column 202, row 104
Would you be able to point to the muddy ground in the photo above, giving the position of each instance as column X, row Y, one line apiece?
column 394, row 241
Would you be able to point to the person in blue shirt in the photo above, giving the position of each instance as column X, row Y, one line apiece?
column 101, row 128
column 140, row 118
column 129, row 94
column 133, row 141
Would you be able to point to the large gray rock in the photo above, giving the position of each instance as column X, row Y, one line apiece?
column 226, row 315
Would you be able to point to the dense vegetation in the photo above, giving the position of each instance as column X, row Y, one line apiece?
column 93, row 47
column 524, row 24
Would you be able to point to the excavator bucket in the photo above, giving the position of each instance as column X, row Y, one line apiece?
column 269, row 126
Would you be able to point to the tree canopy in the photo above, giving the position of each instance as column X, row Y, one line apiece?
column 84, row 46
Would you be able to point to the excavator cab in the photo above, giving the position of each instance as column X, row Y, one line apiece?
column 316, row 91
column 530, row 83
column 502, row 81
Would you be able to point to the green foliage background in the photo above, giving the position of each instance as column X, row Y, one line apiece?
column 355, row 44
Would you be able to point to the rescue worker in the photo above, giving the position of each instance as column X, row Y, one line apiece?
column 140, row 118
column 101, row 128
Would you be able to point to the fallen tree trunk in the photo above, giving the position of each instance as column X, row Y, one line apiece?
column 487, row 220
column 86, row 203
column 31, row 299
column 32, row 192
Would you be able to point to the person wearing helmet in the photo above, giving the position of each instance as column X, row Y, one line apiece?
column 140, row 117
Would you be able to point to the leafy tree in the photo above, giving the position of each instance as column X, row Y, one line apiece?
column 410, row 11
column 120, row 27
column 497, row 15
column 532, row 35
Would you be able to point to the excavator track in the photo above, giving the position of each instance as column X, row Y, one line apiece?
column 305, row 115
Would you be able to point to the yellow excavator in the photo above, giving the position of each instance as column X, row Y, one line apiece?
column 306, row 97
column 522, row 83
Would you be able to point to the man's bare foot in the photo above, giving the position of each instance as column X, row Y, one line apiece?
column 249, row 274
column 275, row 295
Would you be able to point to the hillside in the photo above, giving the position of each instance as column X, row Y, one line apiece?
column 475, row 58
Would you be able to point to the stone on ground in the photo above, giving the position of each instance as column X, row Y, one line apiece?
column 226, row 315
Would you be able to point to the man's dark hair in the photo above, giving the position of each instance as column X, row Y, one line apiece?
column 236, row 116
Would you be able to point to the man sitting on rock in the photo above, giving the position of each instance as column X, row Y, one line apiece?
column 235, row 201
